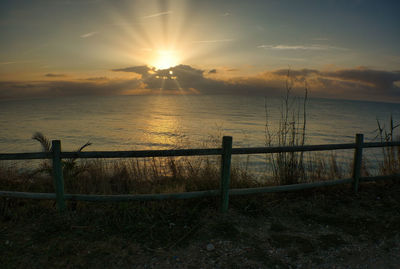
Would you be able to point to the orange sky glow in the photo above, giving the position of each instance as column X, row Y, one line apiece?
column 341, row 50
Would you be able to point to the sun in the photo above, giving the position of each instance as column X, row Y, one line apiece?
column 165, row 59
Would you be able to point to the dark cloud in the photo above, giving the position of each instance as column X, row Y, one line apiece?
column 110, row 87
column 183, row 77
column 97, row 79
column 186, row 78
column 141, row 70
column 296, row 73
column 361, row 83
column 52, row 75
column 11, row 89
column 377, row 78
column 357, row 83
column 66, row 88
column 212, row 71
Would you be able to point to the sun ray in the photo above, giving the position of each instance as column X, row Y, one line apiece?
column 162, row 85
column 179, row 87
column 160, row 34
column 163, row 6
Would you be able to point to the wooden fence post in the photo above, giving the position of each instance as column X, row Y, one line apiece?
column 58, row 174
column 225, row 172
column 357, row 161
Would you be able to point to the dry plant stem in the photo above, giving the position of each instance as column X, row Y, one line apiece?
column 288, row 168
column 391, row 155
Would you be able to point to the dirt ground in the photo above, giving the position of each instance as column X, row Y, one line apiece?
column 329, row 228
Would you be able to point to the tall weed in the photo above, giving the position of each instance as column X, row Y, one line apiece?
column 288, row 167
column 391, row 155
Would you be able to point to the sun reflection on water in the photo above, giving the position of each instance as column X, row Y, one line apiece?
column 162, row 127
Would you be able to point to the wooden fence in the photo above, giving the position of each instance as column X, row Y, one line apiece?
column 225, row 152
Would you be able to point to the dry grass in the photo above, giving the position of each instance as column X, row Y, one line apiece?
column 315, row 229
column 288, row 167
column 391, row 155
column 130, row 176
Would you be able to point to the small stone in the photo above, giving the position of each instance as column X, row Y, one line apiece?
column 210, row 247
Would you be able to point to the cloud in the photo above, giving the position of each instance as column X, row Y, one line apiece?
column 52, row 75
column 188, row 79
column 356, row 83
column 362, row 76
column 15, row 89
column 297, row 74
column 157, row 14
column 14, row 62
column 376, row 78
column 143, row 70
column 4, row 63
column 214, row 41
column 97, row 79
column 291, row 59
column 89, row 34
column 321, row 39
column 300, row 47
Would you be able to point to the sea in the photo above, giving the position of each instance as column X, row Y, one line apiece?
column 185, row 121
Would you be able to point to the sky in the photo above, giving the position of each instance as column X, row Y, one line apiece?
column 339, row 49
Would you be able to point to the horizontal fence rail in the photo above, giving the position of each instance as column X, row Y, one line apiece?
column 188, row 152
column 187, row 195
column 26, row 156
column 113, row 198
column 225, row 152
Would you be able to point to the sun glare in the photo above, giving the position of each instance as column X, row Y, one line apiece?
column 165, row 59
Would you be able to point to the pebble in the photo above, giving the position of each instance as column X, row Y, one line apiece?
column 210, row 247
